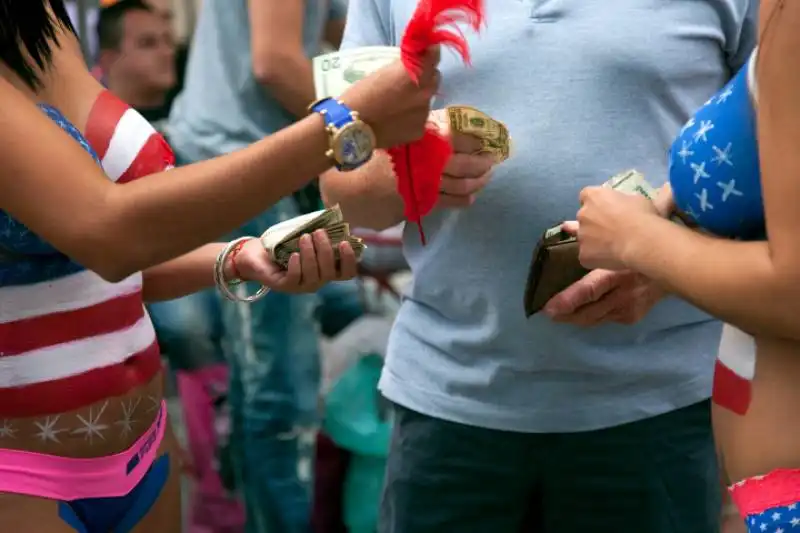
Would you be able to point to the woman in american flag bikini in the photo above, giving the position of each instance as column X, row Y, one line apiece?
column 735, row 173
column 84, row 443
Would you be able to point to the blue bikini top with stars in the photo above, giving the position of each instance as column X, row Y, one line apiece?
column 34, row 259
column 714, row 165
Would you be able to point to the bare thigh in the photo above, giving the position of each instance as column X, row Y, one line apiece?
column 165, row 515
column 28, row 513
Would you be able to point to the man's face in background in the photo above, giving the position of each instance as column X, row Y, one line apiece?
column 145, row 58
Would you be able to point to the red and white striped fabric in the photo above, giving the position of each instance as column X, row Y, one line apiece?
column 734, row 370
column 75, row 339
column 128, row 146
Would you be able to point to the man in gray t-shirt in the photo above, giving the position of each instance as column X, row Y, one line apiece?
column 594, row 416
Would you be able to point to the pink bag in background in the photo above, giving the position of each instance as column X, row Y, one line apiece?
column 212, row 509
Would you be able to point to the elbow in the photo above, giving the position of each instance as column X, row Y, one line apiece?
column 113, row 267
column 110, row 255
column 271, row 68
column 114, row 273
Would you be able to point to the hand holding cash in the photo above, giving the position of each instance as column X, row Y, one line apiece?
column 300, row 254
column 479, row 141
column 556, row 265
column 335, row 72
column 605, row 221
column 283, row 240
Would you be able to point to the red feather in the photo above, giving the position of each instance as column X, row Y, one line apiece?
column 428, row 156
column 419, row 165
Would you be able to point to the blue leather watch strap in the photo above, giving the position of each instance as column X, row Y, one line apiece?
column 334, row 112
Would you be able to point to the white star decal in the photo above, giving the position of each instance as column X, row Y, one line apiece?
column 688, row 125
column 156, row 404
column 684, row 152
column 722, row 156
column 728, row 189
column 699, row 171
column 776, row 516
column 128, row 409
column 703, row 197
column 763, row 527
column 795, row 522
column 793, row 507
column 724, row 95
column 92, row 427
column 702, row 133
column 47, row 429
column 7, row 430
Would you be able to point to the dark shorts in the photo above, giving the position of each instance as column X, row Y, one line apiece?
column 653, row 476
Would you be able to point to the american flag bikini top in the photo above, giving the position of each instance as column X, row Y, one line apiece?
column 18, row 245
column 714, row 164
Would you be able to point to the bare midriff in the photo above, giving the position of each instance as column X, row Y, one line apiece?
column 103, row 428
column 767, row 436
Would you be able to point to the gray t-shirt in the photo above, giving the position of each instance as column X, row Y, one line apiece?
column 587, row 89
column 222, row 107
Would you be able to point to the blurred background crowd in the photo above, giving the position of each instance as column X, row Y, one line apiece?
column 258, row 391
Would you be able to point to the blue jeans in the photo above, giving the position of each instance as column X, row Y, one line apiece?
column 189, row 330
column 272, row 350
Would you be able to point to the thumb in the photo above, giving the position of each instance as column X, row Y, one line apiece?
column 433, row 55
column 590, row 288
column 571, row 227
column 664, row 201
column 464, row 143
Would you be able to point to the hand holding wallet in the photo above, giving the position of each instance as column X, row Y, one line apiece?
column 555, row 265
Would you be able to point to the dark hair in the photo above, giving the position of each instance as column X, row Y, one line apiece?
column 28, row 31
column 111, row 19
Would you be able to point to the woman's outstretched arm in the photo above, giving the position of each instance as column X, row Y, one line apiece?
column 49, row 183
column 752, row 285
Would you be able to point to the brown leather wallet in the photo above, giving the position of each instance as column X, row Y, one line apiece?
column 554, row 267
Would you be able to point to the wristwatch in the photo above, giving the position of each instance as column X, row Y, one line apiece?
column 351, row 140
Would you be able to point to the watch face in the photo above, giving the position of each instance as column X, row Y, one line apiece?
column 356, row 144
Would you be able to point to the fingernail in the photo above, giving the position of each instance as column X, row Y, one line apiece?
column 305, row 238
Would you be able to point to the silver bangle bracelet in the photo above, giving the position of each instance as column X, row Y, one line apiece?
column 224, row 286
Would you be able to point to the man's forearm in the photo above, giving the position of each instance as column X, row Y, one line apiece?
column 289, row 78
column 368, row 196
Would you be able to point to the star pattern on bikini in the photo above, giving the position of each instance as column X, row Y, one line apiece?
column 48, row 431
column 708, row 152
column 17, row 238
column 128, row 410
column 782, row 519
column 92, row 427
column 702, row 132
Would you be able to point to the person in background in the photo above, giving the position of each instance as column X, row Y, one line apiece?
column 137, row 61
column 594, row 414
column 137, row 56
column 249, row 74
